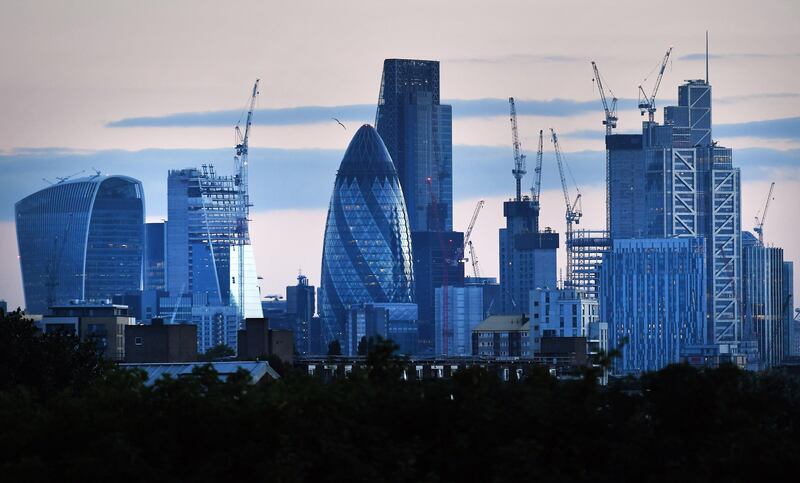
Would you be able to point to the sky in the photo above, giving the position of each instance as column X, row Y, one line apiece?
column 138, row 87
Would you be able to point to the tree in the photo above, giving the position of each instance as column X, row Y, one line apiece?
column 218, row 353
column 334, row 348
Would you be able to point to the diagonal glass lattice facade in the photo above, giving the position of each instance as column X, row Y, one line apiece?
column 367, row 250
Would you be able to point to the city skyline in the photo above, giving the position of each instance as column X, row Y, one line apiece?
column 303, row 145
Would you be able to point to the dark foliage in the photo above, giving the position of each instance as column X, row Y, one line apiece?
column 65, row 415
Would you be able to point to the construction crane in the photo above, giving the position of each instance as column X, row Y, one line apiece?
column 574, row 212
column 648, row 103
column 536, row 189
column 759, row 228
column 519, row 158
column 476, row 271
column 241, row 167
column 475, row 213
column 610, row 122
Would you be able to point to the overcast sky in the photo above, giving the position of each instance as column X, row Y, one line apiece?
column 141, row 86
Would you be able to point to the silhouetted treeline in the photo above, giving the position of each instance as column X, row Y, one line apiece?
column 67, row 415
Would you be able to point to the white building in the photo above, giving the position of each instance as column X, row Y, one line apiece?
column 562, row 313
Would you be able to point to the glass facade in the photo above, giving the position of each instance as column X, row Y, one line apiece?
column 155, row 263
column 418, row 132
column 81, row 239
column 203, row 246
column 463, row 312
column 652, row 293
column 367, row 248
column 764, row 296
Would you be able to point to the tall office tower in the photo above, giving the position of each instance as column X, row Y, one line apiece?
column 692, row 190
column 155, row 260
column 417, row 131
column 300, row 307
column 366, row 257
column 81, row 239
column 527, row 256
column 626, row 209
column 763, row 300
column 202, row 245
column 652, row 292
column 438, row 261
column 462, row 309
column 792, row 332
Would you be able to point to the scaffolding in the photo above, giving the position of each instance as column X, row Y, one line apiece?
column 585, row 249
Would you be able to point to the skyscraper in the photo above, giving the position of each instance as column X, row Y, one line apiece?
column 626, row 186
column 202, row 246
column 155, row 260
column 81, row 239
column 652, row 293
column 527, row 256
column 464, row 311
column 692, row 189
column 417, row 130
column 763, row 300
column 366, row 256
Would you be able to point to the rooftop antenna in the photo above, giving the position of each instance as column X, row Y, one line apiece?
column 706, row 56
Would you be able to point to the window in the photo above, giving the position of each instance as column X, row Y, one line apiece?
column 138, row 340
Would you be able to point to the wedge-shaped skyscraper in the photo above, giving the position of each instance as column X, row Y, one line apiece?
column 81, row 239
column 366, row 257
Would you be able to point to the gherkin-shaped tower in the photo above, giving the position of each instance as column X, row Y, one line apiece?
column 366, row 257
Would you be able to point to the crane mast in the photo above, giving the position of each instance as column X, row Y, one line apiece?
column 519, row 158
column 537, row 172
column 476, row 271
column 241, row 181
column 475, row 213
column 610, row 122
column 648, row 103
column 573, row 212
column 759, row 228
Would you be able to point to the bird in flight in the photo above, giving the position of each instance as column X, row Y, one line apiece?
column 340, row 123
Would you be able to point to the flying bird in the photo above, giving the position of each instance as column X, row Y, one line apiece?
column 340, row 123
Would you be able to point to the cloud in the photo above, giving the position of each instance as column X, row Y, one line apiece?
column 701, row 56
column 785, row 128
column 361, row 113
column 303, row 178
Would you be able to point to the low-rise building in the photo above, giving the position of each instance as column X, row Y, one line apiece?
column 258, row 340
column 565, row 312
column 502, row 336
column 159, row 342
column 102, row 323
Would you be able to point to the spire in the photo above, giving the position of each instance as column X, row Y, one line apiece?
column 707, row 57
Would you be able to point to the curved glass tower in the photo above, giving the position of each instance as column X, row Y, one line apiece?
column 366, row 257
column 81, row 239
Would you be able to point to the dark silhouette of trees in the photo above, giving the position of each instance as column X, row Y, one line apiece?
column 219, row 352
column 334, row 348
column 67, row 415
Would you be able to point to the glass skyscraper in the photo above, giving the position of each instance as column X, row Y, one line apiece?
column 652, row 293
column 366, row 256
column 81, row 239
column 155, row 264
column 418, row 133
column 202, row 245
column 674, row 181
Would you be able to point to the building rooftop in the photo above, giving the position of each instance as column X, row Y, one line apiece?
column 503, row 323
column 257, row 369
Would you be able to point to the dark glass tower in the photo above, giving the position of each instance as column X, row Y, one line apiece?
column 81, row 239
column 366, row 256
column 418, row 133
